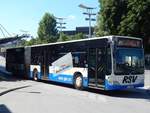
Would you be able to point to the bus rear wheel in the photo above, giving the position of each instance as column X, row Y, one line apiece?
column 78, row 82
column 35, row 75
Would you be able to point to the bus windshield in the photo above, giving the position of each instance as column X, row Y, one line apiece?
column 128, row 61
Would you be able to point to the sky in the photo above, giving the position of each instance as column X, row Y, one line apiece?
column 18, row 16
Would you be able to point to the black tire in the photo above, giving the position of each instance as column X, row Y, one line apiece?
column 78, row 82
column 35, row 75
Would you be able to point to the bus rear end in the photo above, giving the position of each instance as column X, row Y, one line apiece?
column 15, row 61
column 127, row 64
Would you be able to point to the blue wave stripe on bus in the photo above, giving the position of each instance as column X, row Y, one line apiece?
column 85, row 81
column 68, row 79
column 61, row 78
column 119, row 87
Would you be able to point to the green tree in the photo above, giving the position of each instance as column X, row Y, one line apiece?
column 47, row 31
column 110, row 15
column 78, row 36
column 125, row 17
column 63, row 37
column 137, row 21
column 23, row 42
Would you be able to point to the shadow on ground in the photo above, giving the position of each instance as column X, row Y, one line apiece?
column 130, row 93
column 4, row 109
column 13, row 89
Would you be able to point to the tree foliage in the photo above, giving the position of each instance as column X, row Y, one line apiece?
column 65, row 37
column 125, row 17
column 78, row 36
column 110, row 15
column 32, row 41
column 47, row 31
column 137, row 20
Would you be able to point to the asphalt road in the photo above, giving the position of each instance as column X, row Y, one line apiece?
column 25, row 96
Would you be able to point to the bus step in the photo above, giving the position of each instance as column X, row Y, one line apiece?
column 102, row 86
column 94, row 86
column 44, row 78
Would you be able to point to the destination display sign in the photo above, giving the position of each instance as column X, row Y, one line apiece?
column 125, row 42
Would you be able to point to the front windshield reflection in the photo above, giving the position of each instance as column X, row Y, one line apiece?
column 129, row 61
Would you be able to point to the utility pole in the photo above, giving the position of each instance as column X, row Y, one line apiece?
column 89, row 13
column 61, row 23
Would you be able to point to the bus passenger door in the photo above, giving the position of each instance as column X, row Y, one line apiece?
column 96, row 67
column 92, row 66
column 101, row 65
column 44, row 65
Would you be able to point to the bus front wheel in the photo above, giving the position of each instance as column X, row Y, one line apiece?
column 78, row 82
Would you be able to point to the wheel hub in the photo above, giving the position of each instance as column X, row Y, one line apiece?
column 78, row 81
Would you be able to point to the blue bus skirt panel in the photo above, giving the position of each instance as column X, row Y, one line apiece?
column 85, row 82
column 67, row 79
column 109, row 86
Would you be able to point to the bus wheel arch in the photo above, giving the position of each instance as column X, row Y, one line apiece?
column 35, row 74
column 78, row 80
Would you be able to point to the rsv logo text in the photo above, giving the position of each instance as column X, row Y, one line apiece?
column 129, row 79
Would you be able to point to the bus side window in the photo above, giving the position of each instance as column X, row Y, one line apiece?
column 79, row 60
column 76, row 59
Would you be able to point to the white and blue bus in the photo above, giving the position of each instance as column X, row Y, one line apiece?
column 108, row 63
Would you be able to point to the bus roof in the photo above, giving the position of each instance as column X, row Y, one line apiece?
column 88, row 39
column 95, row 38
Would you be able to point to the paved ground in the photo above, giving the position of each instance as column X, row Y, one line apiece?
column 36, row 97
column 26, row 96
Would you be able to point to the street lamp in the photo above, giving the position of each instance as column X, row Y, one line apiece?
column 89, row 13
column 61, row 23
